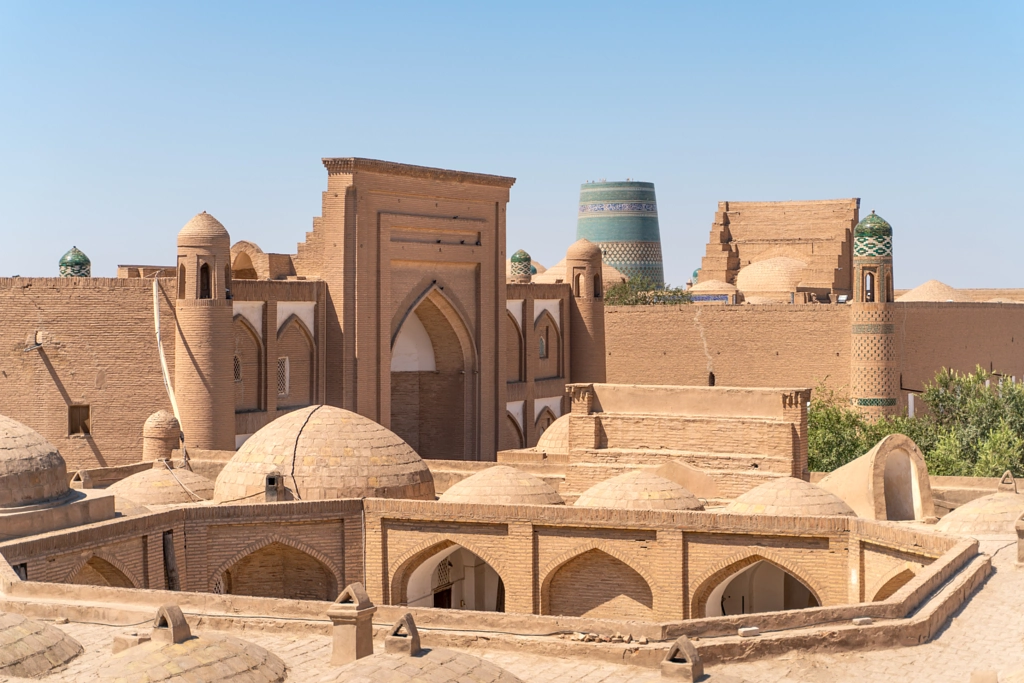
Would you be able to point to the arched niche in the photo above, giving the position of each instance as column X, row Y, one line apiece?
column 433, row 380
column 447, row 575
column 545, row 419
column 97, row 571
column 295, row 376
column 598, row 585
column 515, row 361
column 548, row 345
column 279, row 570
column 512, row 435
column 247, row 367
column 760, row 586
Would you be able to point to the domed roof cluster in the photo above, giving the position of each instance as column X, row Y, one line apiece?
column 873, row 225
column 163, row 486
column 31, row 649
column 790, row 496
column 204, row 230
column 31, row 470
column 778, row 274
column 502, row 485
column 326, row 453
column 639, row 490
column 555, row 438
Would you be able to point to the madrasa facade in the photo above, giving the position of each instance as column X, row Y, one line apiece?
column 400, row 420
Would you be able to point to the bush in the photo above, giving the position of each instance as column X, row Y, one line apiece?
column 642, row 291
column 973, row 426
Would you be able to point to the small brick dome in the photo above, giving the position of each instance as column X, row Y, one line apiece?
column 31, row 649
column 555, row 438
column 206, row 658
column 790, row 496
column 713, row 286
column 31, row 469
column 991, row 515
column 933, row 290
column 583, row 250
column 639, row 490
column 326, row 453
column 161, row 486
column 779, row 274
column 204, row 231
column 161, row 425
column 436, row 665
column 502, row 485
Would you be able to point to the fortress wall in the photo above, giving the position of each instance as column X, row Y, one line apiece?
column 958, row 335
column 98, row 348
column 754, row 346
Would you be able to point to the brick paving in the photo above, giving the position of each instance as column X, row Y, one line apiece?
column 987, row 633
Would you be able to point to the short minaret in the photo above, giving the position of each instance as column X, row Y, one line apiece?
column 874, row 376
column 583, row 272
column 203, row 344
column 521, row 270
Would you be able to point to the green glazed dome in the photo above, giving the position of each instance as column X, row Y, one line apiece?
column 521, row 257
column 696, row 274
column 75, row 264
column 873, row 226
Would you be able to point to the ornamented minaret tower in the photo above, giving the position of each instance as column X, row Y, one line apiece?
column 521, row 268
column 874, row 376
column 583, row 272
column 203, row 343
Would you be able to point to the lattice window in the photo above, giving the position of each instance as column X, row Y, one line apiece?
column 444, row 573
column 283, row 376
column 238, row 369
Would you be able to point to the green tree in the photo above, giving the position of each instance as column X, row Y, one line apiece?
column 642, row 291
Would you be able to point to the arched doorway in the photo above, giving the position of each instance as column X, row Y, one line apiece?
column 100, row 572
column 597, row 585
column 433, row 382
column 759, row 587
column 455, row 578
column 279, row 571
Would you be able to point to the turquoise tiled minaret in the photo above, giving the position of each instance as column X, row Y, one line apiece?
column 622, row 219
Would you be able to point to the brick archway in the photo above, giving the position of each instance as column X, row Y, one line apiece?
column 403, row 568
column 551, row 570
column 707, row 584
column 217, row 577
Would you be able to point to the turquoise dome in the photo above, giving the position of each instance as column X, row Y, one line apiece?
column 75, row 264
column 521, row 257
column 873, row 226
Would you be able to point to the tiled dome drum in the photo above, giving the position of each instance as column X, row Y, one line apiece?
column 75, row 264
column 31, row 469
column 325, row 453
column 622, row 219
column 521, row 267
column 872, row 237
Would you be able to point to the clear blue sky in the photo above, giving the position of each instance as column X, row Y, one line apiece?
column 118, row 122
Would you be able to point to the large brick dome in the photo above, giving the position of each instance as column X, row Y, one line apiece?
column 31, row 469
column 790, row 496
column 779, row 274
column 555, row 438
column 162, row 486
column 31, row 649
column 502, row 485
column 991, row 515
column 639, row 490
column 324, row 453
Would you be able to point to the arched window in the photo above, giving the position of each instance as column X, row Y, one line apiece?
column 580, row 285
column 543, row 344
column 869, row 287
column 204, row 281
column 238, row 369
column 181, row 281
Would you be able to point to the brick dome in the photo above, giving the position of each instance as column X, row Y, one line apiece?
column 502, row 485
column 161, row 486
column 991, row 515
column 210, row 657
column 639, row 490
column 555, row 438
column 324, row 453
column 162, row 424
column 779, row 274
column 31, row 469
column 583, row 250
column 933, row 290
column 556, row 273
column 204, row 231
column 31, row 649
column 713, row 286
column 436, row 665
column 790, row 496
